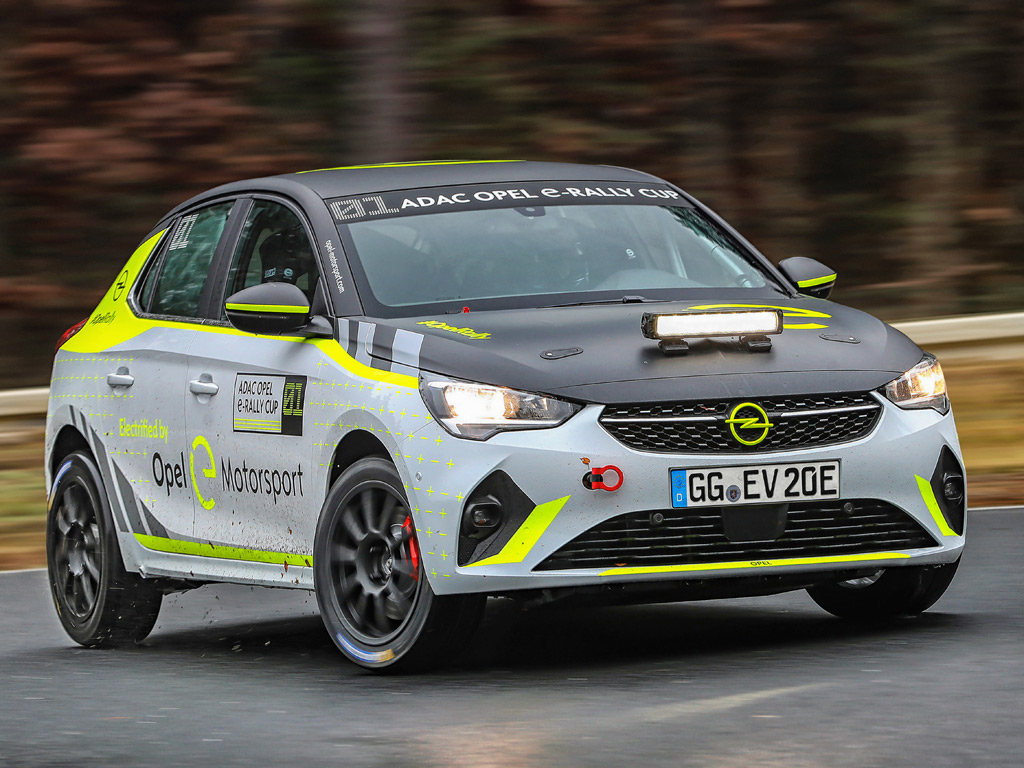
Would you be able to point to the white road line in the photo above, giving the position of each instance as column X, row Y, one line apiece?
column 700, row 707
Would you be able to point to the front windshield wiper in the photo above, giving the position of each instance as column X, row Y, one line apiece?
column 621, row 300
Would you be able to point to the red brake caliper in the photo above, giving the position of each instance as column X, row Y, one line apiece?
column 414, row 547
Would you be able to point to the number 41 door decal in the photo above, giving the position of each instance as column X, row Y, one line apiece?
column 268, row 404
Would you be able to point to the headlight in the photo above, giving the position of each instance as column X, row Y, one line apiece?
column 923, row 386
column 478, row 411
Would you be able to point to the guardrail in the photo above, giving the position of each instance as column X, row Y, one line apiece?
column 970, row 329
column 24, row 402
column 954, row 333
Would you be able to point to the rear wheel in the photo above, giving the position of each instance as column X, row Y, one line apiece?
column 886, row 593
column 370, row 583
column 98, row 602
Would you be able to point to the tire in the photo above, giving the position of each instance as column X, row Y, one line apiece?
column 97, row 601
column 370, row 583
column 889, row 593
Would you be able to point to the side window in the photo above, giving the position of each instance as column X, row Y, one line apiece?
column 182, row 275
column 273, row 247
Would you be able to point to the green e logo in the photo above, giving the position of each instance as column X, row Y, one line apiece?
column 211, row 472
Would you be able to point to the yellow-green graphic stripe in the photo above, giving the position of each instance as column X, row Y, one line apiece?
column 933, row 506
column 205, row 549
column 810, row 283
column 793, row 312
column 522, row 541
column 647, row 569
column 285, row 309
column 409, row 165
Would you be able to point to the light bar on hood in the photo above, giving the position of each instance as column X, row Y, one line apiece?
column 702, row 325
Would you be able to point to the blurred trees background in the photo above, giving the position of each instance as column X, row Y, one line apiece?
column 885, row 138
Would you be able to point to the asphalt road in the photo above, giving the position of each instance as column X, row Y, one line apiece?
column 241, row 676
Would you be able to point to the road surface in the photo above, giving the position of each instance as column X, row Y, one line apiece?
column 241, row 676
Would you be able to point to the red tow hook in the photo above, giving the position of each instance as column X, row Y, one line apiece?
column 594, row 479
column 414, row 547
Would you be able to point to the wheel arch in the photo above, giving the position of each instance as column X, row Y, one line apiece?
column 357, row 444
column 68, row 440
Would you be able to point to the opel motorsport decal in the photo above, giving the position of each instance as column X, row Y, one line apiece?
column 522, row 195
column 224, row 475
column 269, row 404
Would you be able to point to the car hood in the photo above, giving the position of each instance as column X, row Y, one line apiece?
column 824, row 347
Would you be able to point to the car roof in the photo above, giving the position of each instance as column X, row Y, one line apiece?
column 358, row 180
column 369, row 179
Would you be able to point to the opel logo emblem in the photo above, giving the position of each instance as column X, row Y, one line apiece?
column 119, row 286
column 748, row 423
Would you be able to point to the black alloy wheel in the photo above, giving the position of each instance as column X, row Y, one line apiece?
column 885, row 594
column 375, row 566
column 97, row 601
column 77, row 551
column 371, row 585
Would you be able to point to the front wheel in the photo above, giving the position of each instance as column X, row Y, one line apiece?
column 370, row 583
column 886, row 593
column 97, row 601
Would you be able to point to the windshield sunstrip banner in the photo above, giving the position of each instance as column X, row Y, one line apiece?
column 520, row 195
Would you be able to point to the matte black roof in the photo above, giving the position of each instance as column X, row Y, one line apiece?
column 340, row 182
column 369, row 179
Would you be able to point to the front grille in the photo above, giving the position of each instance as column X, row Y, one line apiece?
column 700, row 427
column 697, row 536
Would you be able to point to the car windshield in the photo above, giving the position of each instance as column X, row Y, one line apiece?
column 546, row 255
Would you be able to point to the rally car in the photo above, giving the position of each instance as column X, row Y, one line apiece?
column 408, row 387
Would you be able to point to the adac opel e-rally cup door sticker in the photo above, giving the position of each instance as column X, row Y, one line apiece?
column 269, row 404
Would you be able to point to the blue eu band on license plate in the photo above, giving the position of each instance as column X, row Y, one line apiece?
column 764, row 484
column 678, row 487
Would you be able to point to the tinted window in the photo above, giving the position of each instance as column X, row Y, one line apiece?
column 182, row 275
column 578, row 252
column 273, row 247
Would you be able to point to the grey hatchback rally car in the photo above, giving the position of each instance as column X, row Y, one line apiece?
column 408, row 387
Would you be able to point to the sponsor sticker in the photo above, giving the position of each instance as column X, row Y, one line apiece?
column 144, row 428
column 469, row 333
column 527, row 197
column 182, row 233
column 333, row 259
column 172, row 474
column 268, row 404
column 261, row 481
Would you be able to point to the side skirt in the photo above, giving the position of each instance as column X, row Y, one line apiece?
column 155, row 564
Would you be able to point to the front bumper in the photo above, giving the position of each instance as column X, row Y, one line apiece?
column 441, row 472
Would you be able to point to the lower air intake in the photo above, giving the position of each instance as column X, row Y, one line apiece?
column 697, row 536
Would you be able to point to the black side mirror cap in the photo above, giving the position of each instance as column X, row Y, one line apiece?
column 319, row 327
column 811, row 277
column 269, row 309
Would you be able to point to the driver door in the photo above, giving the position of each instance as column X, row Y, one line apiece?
column 246, row 405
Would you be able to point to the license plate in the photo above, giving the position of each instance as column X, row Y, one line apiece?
column 763, row 484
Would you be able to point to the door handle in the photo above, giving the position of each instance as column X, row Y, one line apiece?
column 203, row 385
column 120, row 379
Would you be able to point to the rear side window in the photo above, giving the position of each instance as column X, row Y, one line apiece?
column 186, row 265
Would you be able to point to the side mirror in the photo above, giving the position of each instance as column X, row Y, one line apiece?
column 811, row 277
column 273, row 309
